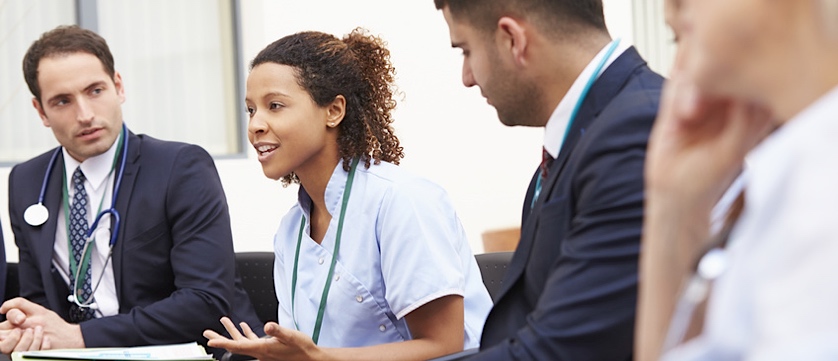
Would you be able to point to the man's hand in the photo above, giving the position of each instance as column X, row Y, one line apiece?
column 30, row 326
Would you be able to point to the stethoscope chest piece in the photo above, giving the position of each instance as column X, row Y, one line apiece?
column 36, row 215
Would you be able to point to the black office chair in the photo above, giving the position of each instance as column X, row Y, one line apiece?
column 493, row 268
column 256, row 270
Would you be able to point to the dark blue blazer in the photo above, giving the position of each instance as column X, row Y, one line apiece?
column 173, row 262
column 571, row 288
column 2, row 267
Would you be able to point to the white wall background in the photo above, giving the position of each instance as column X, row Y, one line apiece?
column 449, row 133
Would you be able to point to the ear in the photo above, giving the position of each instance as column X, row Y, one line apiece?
column 335, row 111
column 37, row 105
column 120, row 87
column 513, row 37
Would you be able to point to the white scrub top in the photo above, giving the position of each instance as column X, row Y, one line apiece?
column 402, row 247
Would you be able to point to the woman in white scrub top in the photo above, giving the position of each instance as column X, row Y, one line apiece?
column 768, row 292
column 404, row 284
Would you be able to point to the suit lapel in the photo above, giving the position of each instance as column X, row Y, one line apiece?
column 45, row 242
column 601, row 93
column 129, row 178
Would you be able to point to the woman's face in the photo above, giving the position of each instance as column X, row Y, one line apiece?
column 286, row 128
column 728, row 47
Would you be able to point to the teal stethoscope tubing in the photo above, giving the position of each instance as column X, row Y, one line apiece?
column 611, row 48
column 111, row 211
column 322, row 308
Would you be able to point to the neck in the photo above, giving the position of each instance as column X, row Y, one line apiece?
column 566, row 60
column 314, row 178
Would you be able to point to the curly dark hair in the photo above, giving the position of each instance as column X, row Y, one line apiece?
column 357, row 67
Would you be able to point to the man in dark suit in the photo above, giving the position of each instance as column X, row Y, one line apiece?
column 571, row 288
column 171, row 273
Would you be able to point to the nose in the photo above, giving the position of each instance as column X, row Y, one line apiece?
column 84, row 111
column 468, row 76
column 256, row 125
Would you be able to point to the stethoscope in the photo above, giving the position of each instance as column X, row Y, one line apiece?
column 37, row 214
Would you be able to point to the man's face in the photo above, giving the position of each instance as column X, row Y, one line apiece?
column 486, row 65
column 80, row 103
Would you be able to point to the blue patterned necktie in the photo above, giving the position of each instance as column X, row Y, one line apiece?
column 78, row 231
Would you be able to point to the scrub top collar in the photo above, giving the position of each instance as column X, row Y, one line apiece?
column 334, row 192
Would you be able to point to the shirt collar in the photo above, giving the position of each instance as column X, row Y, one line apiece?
column 334, row 192
column 96, row 169
column 557, row 124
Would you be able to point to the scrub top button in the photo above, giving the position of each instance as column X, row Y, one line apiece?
column 382, row 328
column 320, row 261
column 337, row 278
column 359, row 298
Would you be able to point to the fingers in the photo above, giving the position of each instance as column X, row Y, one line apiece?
column 248, row 332
column 37, row 339
column 231, row 329
column 273, row 329
column 25, row 340
column 10, row 339
column 16, row 317
column 212, row 335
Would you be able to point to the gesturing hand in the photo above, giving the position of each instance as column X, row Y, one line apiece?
column 279, row 344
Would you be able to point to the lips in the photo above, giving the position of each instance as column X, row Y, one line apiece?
column 89, row 133
column 266, row 149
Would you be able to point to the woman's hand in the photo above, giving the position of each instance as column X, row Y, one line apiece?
column 279, row 344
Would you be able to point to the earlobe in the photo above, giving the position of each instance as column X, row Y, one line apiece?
column 335, row 111
column 37, row 105
column 516, row 38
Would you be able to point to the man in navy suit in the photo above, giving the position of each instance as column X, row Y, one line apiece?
column 571, row 288
column 171, row 273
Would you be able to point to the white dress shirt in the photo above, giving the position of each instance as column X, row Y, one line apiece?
column 559, row 121
column 778, row 298
column 99, row 177
column 402, row 247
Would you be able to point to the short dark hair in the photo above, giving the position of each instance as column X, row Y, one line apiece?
column 64, row 40
column 357, row 67
column 565, row 17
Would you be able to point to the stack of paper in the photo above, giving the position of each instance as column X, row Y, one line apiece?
column 179, row 352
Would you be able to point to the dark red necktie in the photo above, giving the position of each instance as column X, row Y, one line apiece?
column 546, row 161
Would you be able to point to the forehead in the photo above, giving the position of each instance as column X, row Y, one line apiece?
column 67, row 72
column 272, row 77
column 460, row 30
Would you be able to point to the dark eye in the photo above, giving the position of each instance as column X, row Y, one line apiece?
column 250, row 111
column 96, row 91
column 275, row 106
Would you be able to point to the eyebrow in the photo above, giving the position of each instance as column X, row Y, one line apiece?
column 270, row 95
column 63, row 95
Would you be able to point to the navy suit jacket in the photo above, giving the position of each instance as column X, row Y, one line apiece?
column 2, row 267
column 570, row 290
column 173, row 262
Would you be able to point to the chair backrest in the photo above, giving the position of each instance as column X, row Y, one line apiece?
column 493, row 268
column 256, row 270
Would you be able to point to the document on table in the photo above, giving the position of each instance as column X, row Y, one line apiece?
column 177, row 352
